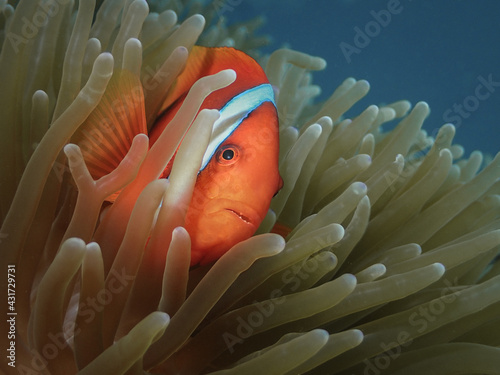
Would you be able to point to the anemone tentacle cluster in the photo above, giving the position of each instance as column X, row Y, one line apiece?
column 389, row 266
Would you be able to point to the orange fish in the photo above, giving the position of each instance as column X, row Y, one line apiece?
column 239, row 172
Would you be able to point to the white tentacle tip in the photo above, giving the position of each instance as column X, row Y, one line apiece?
column 72, row 152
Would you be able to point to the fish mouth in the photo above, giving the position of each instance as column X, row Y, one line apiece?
column 241, row 216
column 245, row 213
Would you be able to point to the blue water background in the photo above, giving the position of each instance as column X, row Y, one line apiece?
column 435, row 51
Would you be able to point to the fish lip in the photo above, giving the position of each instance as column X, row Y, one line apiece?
column 240, row 215
column 245, row 213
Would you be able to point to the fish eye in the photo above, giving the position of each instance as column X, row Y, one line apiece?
column 227, row 155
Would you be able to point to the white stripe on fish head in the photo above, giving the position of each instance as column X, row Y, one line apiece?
column 233, row 114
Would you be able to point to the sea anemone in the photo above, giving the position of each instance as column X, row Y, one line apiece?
column 388, row 261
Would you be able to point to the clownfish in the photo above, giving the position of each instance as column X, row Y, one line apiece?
column 239, row 171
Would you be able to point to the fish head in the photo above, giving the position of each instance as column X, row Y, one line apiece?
column 233, row 191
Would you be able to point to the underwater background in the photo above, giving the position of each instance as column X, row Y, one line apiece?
column 433, row 51
column 391, row 251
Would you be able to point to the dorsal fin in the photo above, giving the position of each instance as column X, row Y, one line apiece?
column 193, row 71
column 106, row 135
column 204, row 61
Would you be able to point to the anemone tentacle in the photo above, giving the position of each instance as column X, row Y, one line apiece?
column 392, row 237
